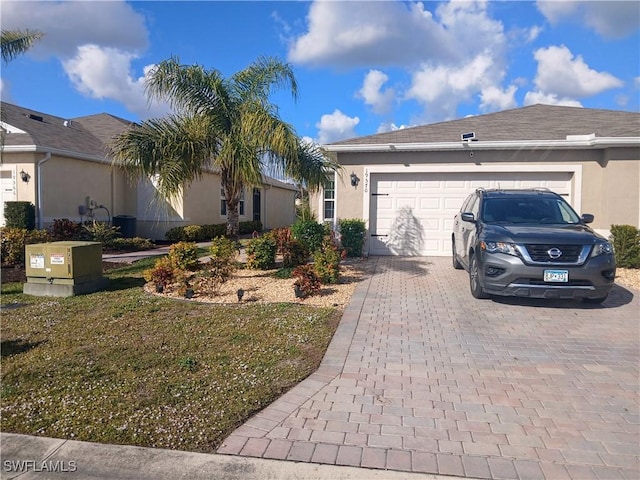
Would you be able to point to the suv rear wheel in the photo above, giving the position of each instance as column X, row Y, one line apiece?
column 474, row 282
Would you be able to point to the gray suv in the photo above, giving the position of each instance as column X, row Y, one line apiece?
column 530, row 243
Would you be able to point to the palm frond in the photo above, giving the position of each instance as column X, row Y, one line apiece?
column 264, row 77
column 175, row 150
column 16, row 42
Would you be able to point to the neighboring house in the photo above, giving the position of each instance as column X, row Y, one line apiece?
column 411, row 182
column 61, row 165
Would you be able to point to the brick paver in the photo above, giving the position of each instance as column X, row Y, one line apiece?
column 422, row 377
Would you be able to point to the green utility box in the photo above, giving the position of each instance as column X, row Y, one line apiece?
column 64, row 269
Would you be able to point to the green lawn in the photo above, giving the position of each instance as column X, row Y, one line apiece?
column 121, row 366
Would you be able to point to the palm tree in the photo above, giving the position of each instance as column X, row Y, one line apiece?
column 15, row 42
column 226, row 125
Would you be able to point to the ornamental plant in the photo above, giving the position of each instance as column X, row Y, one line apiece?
column 309, row 232
column 327, row 262
column 307, row 281
column 261, row 253
column 626, row 245
column 184, row 256
column 352, row 233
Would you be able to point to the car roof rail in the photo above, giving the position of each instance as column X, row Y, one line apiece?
column 541, row 189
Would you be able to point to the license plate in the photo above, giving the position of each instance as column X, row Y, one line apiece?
column 556, row 275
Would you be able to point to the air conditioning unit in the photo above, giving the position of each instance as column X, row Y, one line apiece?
column 63, row 269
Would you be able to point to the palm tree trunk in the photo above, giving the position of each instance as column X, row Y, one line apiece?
column 233, row 219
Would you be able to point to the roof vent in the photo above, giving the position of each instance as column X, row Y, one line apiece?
column 37, row 118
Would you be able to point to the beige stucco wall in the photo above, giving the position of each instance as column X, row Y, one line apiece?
column 67, row 182
column 278, row 207
column 609, row 186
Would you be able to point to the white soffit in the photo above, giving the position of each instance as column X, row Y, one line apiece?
column 572, row 141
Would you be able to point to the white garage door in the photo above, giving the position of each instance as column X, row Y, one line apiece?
column 412, row 214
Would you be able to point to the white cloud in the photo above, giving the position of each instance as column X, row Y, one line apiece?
column 393, row 33
column 493, row 98
column 532, row 98
column 533, row 33
column 336, row 126
column 380, row 100
column 389, row 127
column 561, row 74
column 453, row 54
column 610, row 19
column 101, row 73
column 96, row 42
column 68, row 25
column 440, row 89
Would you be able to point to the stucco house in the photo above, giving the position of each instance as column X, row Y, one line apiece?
column 413, row 181
column 62, row 165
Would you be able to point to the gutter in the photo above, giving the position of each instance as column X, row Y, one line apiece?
column 572, row 142
column 47, row 157
column 54, row 151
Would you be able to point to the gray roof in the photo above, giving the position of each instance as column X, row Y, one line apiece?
column 83, row 135
column 536, row 122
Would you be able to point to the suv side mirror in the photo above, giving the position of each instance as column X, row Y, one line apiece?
column 587, row 218
column 468, row 217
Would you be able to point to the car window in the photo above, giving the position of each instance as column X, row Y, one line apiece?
column 528, row 209
column 474, row 207
column 465, row 203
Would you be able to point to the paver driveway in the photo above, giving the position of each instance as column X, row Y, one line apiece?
column 422, row 377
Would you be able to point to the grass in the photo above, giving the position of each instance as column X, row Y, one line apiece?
column 124, row 367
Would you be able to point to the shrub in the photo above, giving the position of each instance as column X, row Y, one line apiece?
column 327, row 262
column 13, row 240
column 309, row 232
column 102, row 232
column 222, row 264
column 193, row 233
column 261, row 253
column 65, row 229
column 307, row 281
column 282, row 237
column 162, row 274
column 352, row 232
column 132, row 244
column 20, row 215
column 295, row 253
column 626, row 244
column 249, row 227
column 175, row 234
column 213, row 231
column 184, row 256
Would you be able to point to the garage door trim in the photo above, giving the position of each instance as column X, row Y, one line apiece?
column 575, row 170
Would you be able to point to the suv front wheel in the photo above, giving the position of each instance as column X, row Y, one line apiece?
column 474, row 281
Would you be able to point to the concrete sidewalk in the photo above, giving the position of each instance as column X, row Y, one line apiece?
column 40, row 458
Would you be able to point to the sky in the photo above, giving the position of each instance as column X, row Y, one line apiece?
column 361, row 67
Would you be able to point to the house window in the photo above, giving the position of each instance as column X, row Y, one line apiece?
column 223, row 203
column 329, row 200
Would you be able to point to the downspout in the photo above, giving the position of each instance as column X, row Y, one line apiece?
column 47, row 157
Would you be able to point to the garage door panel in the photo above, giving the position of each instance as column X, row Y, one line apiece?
column 412, row 213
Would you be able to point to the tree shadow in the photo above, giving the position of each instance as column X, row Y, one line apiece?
column 406, row 236
column 124, row 283
column 14, row 347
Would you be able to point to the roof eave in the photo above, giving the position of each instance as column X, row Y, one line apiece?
column 583, row 143
column 53, row 151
